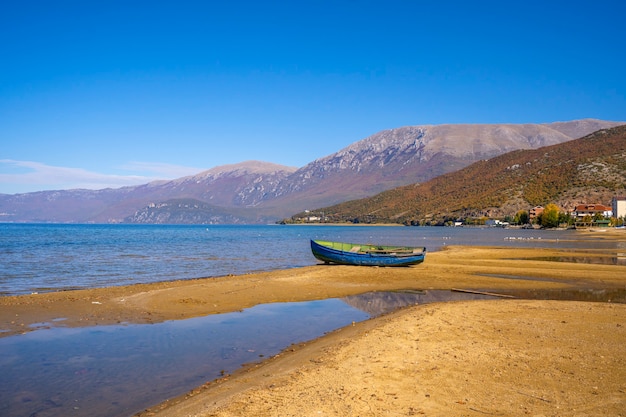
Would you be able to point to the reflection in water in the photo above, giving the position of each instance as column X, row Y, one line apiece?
column 573, row 294
column 378, row 303
column 120, row 370
column 620, row 259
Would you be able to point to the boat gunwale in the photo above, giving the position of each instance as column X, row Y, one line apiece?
column 370, row 248
column 330, row 254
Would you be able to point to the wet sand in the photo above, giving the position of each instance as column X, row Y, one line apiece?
column 505, row 357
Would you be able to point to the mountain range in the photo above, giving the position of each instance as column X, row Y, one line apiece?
column 262, row 192
column 588, row 170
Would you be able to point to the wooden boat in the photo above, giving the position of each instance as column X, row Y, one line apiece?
column 368, row 255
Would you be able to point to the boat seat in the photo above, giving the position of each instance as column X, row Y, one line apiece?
column 355, row 249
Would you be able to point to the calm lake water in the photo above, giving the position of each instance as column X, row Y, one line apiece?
column 49, row 257
column 120, row 370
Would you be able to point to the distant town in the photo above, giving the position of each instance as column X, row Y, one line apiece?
column 550, row 216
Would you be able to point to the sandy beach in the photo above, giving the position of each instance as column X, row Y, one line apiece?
column 503, row 357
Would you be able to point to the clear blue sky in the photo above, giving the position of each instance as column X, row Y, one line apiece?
column 108, row 93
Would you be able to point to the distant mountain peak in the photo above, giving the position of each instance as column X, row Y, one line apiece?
column 250, row 167
column 240, row 169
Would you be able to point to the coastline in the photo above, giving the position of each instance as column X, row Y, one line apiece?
column 474, row 268
column 503, row 357
column 364, row 369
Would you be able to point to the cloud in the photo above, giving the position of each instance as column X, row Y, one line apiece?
column 29, row 176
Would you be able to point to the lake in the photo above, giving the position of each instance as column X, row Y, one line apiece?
column 51, row 257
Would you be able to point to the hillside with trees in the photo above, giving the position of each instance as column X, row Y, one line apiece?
column 587, row 170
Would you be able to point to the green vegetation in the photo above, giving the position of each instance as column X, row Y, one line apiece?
column 550, row 216
column 521, row 217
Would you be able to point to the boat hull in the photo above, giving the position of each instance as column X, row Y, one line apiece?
column 366, row 255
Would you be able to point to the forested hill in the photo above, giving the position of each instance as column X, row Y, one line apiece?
column 587, row 170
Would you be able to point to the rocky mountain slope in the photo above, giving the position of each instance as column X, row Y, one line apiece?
column 253, row 192
column 587, row 170
column 225, row 187
column 418, row 153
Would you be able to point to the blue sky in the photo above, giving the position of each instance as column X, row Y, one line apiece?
column 97, row 94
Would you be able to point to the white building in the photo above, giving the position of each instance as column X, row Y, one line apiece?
column 583, row 210
column 496, row 223
column 619, row 207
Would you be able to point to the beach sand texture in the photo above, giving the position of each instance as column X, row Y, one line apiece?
column 506, row 358
column 503, row 357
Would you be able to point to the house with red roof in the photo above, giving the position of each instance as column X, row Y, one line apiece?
column 583, row 210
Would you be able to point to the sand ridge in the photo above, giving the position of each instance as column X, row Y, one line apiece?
column 455, row 267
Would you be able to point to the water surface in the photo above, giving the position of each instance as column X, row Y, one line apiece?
column 123, row 369
column 50, row 257
column 119, row 370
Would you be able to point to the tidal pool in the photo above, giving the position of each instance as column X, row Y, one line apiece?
column 121, row 370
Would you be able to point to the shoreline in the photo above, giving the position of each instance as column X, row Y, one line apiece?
column 496, row 357
column 365, row 369
column 464, row 267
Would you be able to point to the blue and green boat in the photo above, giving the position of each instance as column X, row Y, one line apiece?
column 366, row 254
